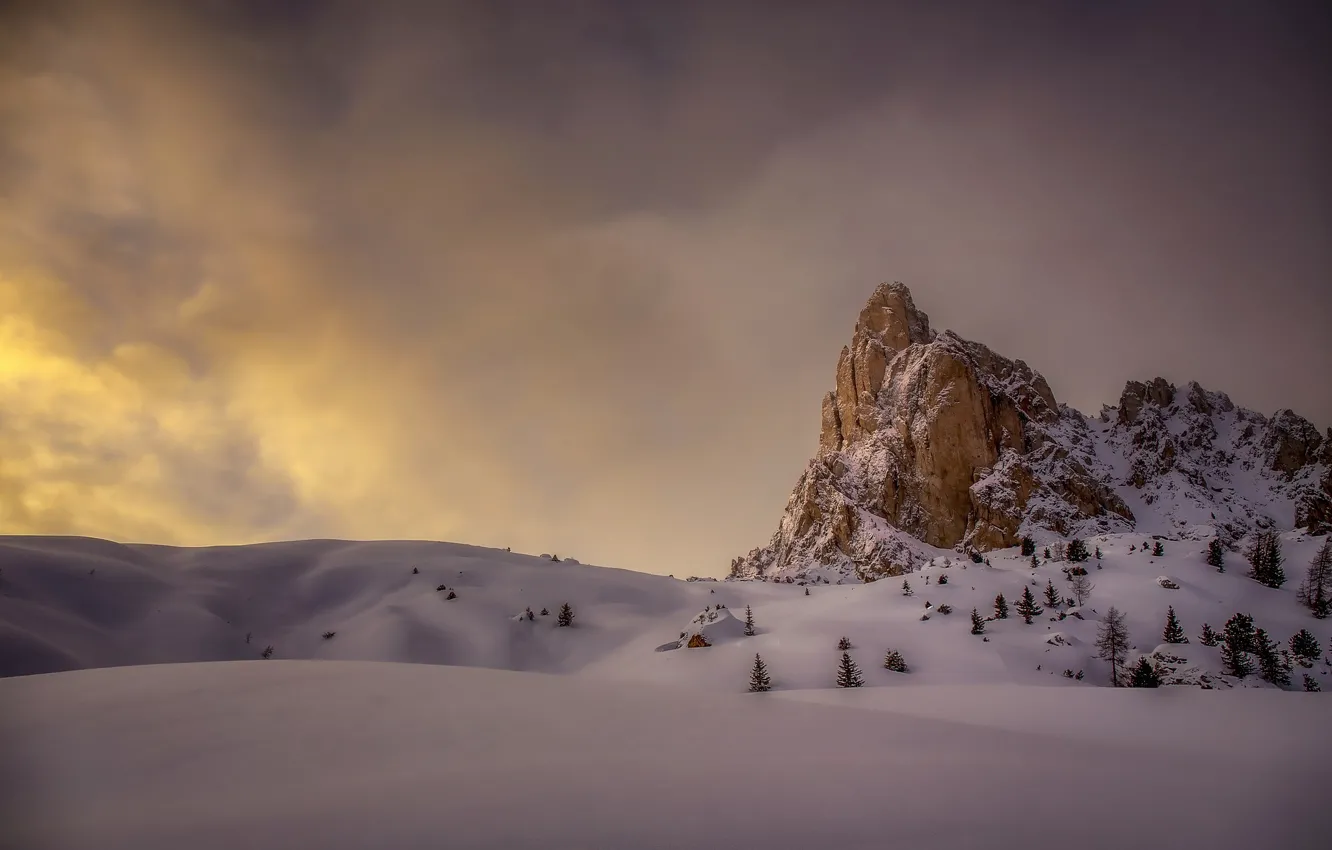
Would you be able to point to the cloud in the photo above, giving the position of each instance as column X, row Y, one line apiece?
column 574, row 276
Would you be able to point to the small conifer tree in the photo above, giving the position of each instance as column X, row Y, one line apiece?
column 1265, row 560
column 1235, row 645
column 844, row 643
column 943, row 579
column 1157, row 549
column 848, row 673
column 1052, row 597
column 1272, row 663
column 566, row 616
column 1028, row 546
column 1173, row 632
column 1311, row 684
column 1047, row 553
column 1035, row 562
column 1112, row 641
column 1239, row 631
column 1216, row 555
column 1305, row 647
column 1144, row 674
column 1027, row 607
column 894, row 661
column 1000, row 607
column 1076, row 551
column 1098, row 553
column 451, row 595
column 749, row 623
column 545, row 612
column 906, row 588
column 758, row 676
column 415, row 571
column 1208, row 637
column 977, row 623
column 1315, row 591
column 267, row 653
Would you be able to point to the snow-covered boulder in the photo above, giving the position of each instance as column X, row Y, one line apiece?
column 712, row 625
column 1167, row 582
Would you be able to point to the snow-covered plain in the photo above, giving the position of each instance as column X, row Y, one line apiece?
column 635, row 742
column 353, row 755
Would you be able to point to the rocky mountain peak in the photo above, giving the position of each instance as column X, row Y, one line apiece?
column 928, row 438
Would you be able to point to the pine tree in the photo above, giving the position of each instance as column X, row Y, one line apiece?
column 943, row 579
column 1028, row 546
column 977, row 624
column 1027, row 607
column 1236, row 642
column 758, row 676
column 1305, row 647
column 415, row 571
column 1112, row 641
column 1173, row 632
column 1311, row 684
column 1098, row 553
column 844, row 643
column 1000, row 607
column 1271, row 662
column 1035, row 562
column 749, row 622
column 807, row 591
column 1052, row 597
column 1076, row 551
column 1144, row 674
column 1047, row 553
column 1315, row 591
column 848, row 673
column 267, row 653
column 894, row 661
column 906, row 588
column 545, row 612
column 1216, row 555
column 566, row 616
column 1265, row 559
column 1208, row 637
column 1157, row 549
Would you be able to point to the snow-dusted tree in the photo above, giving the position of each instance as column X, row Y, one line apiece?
column 1311, row 684
column 1047, row 553
column 1052, row 596
column 1305, row 647
column 267, row 653
column 1265, row 559
column 844, row 643
column 1027, row 607
column 1236, row 642
column 1076, row 551
column 451, row 595
column 566, row 616
column 1098, row 553
column 978, row 624
column 1315, row 591
column 1208, row 637
column 1173, row 632
column 1144, row 674
column 1112, row 641
column 906, row 588
column 894, row 661
column 807, row 591
column 943, row 578
column 1035, row 562
column 749, row 622
column 1082, row 588
column 1216, row 555
column 1028, row 546
column 1157, row 549
column 1000, row 607
column 1272, row 662
column 545, row 612
column 848, row 673
column 415, row 571
column 758, row 676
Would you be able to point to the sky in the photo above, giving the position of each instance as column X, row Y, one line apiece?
column 572, row 277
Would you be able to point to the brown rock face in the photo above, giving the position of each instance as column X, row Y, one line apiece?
column 931, row 435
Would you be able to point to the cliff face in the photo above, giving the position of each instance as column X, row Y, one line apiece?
column 930, row 438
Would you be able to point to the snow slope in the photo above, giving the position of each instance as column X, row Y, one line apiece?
column 353, row 755
column 70, row 603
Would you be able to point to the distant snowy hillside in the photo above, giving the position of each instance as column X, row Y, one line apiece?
column 70, row 603
column 281, row 754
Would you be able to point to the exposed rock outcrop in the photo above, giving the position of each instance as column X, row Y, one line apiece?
column 930, row 438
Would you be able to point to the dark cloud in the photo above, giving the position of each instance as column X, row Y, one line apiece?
column 574, row 275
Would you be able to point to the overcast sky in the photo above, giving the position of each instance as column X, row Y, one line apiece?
column 573, row 276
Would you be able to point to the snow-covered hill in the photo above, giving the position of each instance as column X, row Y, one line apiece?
column 70, row 603
column 351, row 755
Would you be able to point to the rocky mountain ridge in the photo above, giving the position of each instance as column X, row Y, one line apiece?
column 931, row 439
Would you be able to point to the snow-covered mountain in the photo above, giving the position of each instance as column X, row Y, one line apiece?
column 930, row 440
